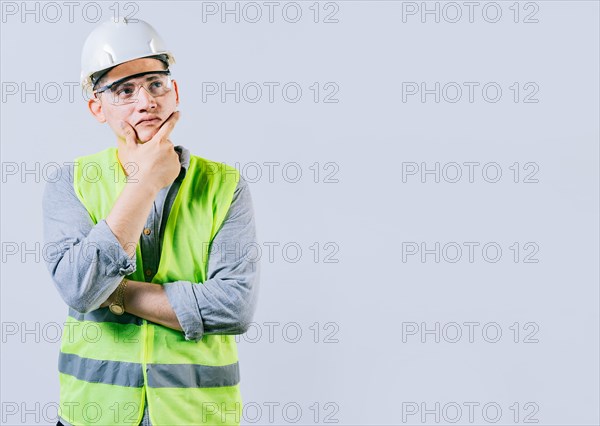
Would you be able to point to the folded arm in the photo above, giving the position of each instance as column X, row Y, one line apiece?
column 86, row 261
column 90, row 261
column 226, row 301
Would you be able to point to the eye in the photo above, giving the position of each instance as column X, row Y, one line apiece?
column 157, row 84
column 124, row 91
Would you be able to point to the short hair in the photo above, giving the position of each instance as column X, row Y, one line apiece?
column 101, row 77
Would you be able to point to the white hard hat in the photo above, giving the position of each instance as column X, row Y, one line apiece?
column 113, row 43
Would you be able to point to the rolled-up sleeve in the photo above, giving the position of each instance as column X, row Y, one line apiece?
column 85, row 260
column 226, row 301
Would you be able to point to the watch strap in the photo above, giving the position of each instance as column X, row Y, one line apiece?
column 120, row 296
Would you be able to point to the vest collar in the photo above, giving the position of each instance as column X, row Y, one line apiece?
column 184, row 156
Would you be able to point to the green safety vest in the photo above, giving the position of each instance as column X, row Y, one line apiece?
column 108, row 363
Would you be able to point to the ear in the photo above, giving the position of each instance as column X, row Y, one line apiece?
column 176, row 92
column 95, row 108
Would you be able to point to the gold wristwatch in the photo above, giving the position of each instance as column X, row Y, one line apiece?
column 117, row 307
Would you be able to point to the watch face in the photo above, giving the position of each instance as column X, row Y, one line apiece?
column 116, row 309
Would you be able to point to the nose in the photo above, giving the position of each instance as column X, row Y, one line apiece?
column 145, row 100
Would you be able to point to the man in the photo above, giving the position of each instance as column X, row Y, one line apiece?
column 150, row 256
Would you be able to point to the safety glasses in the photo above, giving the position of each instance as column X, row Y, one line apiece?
column 125, row 90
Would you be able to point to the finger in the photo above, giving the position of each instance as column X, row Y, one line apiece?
column 129, row 134
column 167, row 127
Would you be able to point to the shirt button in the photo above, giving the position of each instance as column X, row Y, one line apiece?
column 147, row 231
column 148, row 272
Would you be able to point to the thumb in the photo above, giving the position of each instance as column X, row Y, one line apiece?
column 129, row 133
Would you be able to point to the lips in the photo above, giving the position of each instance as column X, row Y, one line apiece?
column 146, row 121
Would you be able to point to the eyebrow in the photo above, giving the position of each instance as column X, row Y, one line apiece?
column 125, row 80
column 149, row 78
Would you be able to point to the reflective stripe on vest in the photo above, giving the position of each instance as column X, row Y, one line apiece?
column 109, row 364
column 192, row 375
column 159, row 375
column 101, row 371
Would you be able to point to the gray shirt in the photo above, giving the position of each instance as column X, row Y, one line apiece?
column 87, row 262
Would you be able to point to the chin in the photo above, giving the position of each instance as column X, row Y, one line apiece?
column 146, row 136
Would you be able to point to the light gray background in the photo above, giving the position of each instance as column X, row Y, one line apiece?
column 369, row 372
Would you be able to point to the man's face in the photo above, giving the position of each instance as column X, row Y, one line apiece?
column 144, row 107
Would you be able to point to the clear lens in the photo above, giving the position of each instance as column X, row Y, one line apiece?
column 127, row 91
